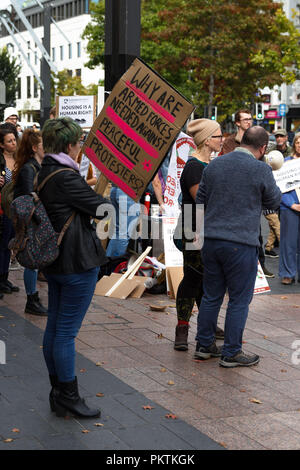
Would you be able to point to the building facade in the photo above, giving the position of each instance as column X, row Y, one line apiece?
column 282, row 103
column 67, row 48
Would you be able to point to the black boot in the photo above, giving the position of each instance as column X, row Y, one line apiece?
column 10, row 285
column 54, row 391
column 68, row 401
column 34, row 306
column 4, row 287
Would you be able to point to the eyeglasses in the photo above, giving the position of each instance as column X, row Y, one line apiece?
column 247, row 119
column 217, row 137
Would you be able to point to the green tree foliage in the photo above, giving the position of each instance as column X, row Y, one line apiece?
column 216, row 52
column 9, row 71
column 94, row 32
column 63, row 84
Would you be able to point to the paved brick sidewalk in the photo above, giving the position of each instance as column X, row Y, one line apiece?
column 126, row 354
column 26, row 421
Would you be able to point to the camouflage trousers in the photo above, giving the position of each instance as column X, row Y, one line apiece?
column 190, row 289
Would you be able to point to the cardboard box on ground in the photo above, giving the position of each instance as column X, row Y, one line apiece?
column 131, row 137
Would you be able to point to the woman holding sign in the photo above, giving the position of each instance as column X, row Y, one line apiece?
column 289, row 257
column 73, row 275
column 208, row 138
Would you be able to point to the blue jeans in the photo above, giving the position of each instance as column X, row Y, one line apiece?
column 69, row 297
column 30, row 278
column 126, row 218
column 289, row 255
column 232, row 266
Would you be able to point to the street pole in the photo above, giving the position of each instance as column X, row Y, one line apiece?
column 122, row 38
column 45, row 70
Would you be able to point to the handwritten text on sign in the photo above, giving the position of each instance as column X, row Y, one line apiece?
column 288, row 176
column 134, row 131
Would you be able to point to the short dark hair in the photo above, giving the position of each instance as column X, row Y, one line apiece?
column 255, row 137
column 9, row 126
column 59, row 133
column 237, row 116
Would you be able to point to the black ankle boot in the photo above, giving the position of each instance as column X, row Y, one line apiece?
column 54, row 391
column 68, row 401
column 9, row 284
column 34, row 306
column 4, row 287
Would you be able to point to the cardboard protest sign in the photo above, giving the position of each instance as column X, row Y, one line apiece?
column 182, row 148
column 132, row 134
column 81, row 109
column 288, row 176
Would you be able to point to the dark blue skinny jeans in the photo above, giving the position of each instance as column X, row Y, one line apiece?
column 69, row 297
column 232, row 266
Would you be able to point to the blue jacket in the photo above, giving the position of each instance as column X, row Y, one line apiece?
column 234, row 189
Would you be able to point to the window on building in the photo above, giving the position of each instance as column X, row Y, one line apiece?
column 10, row 48
column 78, row 72
column 69, row 10
column 28, row 86
column 28, row 44
column 61, row 49
column 19, row 88
column 35, row 88
column 79, row 49
column 35, row 58
column 53, row 54
column 28, row 56
column 70, row 73
column 70, row 50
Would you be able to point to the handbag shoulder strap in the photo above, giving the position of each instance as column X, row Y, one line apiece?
column 45, row 180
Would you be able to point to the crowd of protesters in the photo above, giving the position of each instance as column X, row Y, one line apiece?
column 235, row 189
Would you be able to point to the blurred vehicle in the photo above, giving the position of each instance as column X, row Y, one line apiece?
column 26, row 124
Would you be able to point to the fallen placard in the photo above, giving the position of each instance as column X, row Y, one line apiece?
column 132, row 288
column 110, row 286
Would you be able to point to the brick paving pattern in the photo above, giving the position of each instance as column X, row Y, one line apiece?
column 126, row 354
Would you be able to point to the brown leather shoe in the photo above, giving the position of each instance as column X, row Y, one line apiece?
column 287, row 281
column 181, row 337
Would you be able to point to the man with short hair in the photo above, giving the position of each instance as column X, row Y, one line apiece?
column 243, row 120
column 233, row 190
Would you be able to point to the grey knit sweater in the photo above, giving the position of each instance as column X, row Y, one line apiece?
column 234, row 189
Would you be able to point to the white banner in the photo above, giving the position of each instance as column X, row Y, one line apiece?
column 173, row 257
column 183, row 147
column 80, row 108
column 288, row 176
column 261, row 283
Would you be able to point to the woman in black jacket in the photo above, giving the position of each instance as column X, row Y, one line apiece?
column 73, row 275
column 29, row 157
column 8, row 147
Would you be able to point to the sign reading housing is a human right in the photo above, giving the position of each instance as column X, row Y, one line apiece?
column 80, row 108
column 288, row 176
column 135, row 129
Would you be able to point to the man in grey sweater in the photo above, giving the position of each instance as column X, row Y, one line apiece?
column 234, row 189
